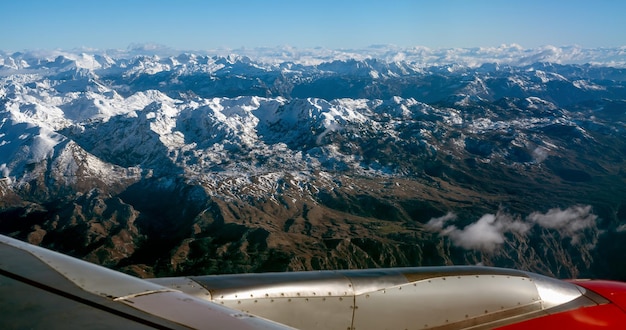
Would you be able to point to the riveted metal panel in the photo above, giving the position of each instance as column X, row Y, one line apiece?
column 197, row 313
column 311, row 300
column 276, row 285
column 183, row 284
column 443, row 301
column 374, row 279
column 415, row 274
column 301, row 313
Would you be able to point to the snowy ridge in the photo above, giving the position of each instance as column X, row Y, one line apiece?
column 210, row 116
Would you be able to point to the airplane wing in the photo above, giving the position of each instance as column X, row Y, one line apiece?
column 44, row 289
column 41, row 289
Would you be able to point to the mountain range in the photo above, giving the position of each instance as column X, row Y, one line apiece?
column 162, row 163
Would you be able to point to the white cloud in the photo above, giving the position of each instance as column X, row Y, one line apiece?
column 540, row 154
column 485, row 234
column 570, row 222
column 488, row 232
column 439, row 223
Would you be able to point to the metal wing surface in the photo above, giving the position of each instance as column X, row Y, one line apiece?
column 44, row 289
column 41, row 289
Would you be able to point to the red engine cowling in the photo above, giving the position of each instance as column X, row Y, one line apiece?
column 610, row 315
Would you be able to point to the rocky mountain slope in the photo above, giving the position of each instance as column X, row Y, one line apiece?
column 165, row 165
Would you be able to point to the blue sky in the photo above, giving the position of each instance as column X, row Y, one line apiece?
column 207, row 24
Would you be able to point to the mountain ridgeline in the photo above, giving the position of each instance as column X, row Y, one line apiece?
column 197, row 164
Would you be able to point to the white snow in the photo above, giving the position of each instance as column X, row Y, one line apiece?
column 583, row 84
column 50, row 95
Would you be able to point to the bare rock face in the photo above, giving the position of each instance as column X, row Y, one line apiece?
column 222, row 165
column 36, row 236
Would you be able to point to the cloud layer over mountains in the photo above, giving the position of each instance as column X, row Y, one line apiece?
column 490, row 231
column 512, row 54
